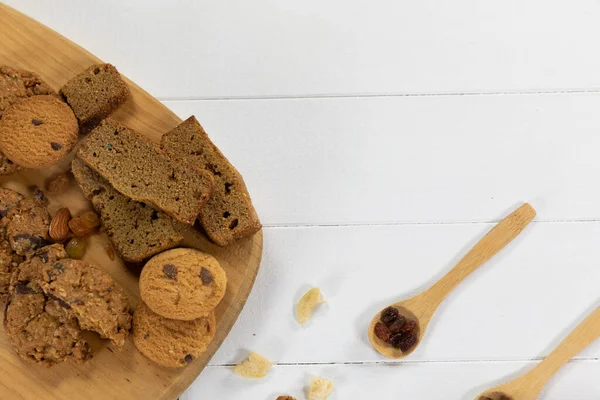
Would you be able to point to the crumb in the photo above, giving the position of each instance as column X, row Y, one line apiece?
column 307, row 303
column 254, row 367
column 319, row 389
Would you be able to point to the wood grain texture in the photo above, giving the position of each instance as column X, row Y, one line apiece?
column 420, row 308
column 110, row 374
column 530, row 384
column 311, row 48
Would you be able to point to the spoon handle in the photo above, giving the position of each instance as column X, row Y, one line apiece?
column 584, row 334
column 490, row 244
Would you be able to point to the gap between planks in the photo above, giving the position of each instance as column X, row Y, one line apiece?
column 379, row 95
column 409, row 223
column 416, row 362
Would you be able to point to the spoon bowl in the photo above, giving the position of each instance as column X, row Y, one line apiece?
column 421, row 307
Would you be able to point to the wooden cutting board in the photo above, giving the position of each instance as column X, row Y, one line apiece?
column 111, row 374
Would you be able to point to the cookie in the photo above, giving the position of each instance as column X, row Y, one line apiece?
column 182, row 283
column 89, row 292
column 27, row 227
column 7, row 167
column 16, row 84
column 9, row 261
column 169, row 342
column 40, row 328
column 38, row 131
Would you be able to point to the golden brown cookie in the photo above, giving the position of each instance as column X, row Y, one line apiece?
column 16, row 84
column 40, row 328
column 169, row 342
column 98, row 303
column 38, row 131
column 182, row 283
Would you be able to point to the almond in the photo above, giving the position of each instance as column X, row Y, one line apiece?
column 59, row 227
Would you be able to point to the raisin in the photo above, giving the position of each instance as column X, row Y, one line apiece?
column 397, row 325
column 409, row 326
column 76, row 248
column 170, row 271
column 389, row 315
column 407, row 341
column 90, row 219
column 395, row 339
column 206, row 276
column 58, row 183
column 382, row 331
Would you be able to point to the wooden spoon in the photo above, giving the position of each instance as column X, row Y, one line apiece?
column 529, row 385
column 421, row 307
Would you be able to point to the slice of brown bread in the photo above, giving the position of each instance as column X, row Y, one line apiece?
column 137, row 230
column 229, row 214
column 95, row 93
column 139, row 169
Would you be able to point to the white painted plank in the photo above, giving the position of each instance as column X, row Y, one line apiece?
column 413, row 381
column 518, row 306
column 380, row 160
column 282, row 48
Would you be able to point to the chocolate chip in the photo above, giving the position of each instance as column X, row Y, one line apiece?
column 37, row 122
column 188, row 358
column 43, row 254
column 59, row 267
column 39, row 195
column 35, row 242
column 3, row 212
column 22, row 288
column 170, row 271
column 228, row 187
column 154, row 215
column 56, row 146
column 206, row 276
column 63, row 303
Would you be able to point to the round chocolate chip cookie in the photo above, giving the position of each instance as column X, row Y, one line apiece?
column 182, row 284
column 169, row 342
column 16, row 84
column 98, row 303
column 38, row 131
column 41, row 329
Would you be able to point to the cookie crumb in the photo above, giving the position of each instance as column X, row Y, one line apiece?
column 320, row 389
column 307, row 303
column 254, row 367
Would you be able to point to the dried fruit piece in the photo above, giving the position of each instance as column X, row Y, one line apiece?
column 90, row 219
column 398, row 324
column 59, row 226
column 76, row 248
column 78, row 228
column 254, row 367
column 407, row 341
column 320, row 389
column 58, row 183
column 409, row 326
column 110, row 251
column 389, row 315
column 382, row 331
column 307, row 303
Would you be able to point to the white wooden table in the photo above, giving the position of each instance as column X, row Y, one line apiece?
column 379, row 141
